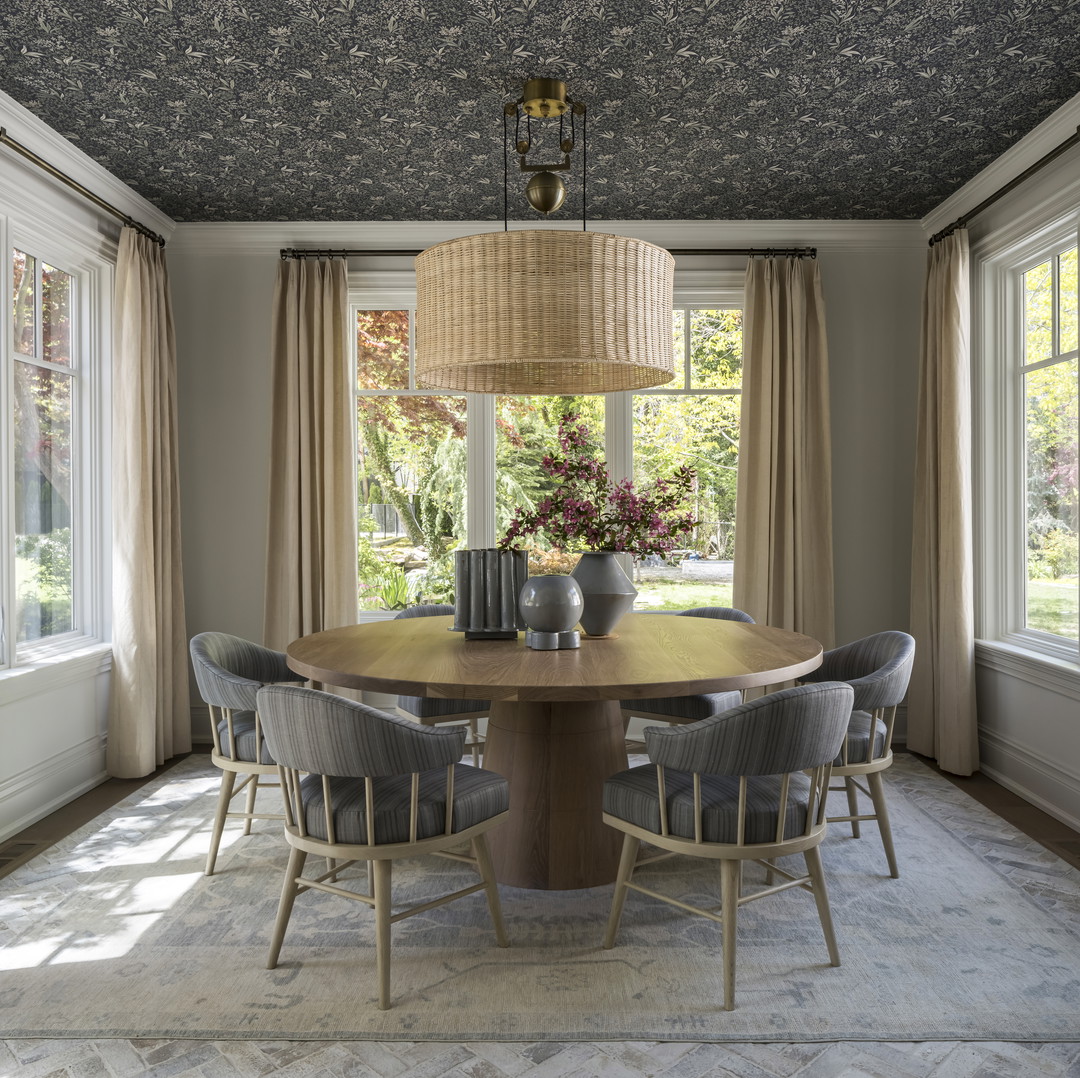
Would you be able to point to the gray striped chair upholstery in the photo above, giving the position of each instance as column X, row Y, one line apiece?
column 229, row 672
column 878, row 668
column 750, row 784
column 377, row 787
column 680, row 709
column 430, row 711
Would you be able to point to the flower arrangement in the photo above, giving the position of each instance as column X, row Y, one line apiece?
column 587, row 510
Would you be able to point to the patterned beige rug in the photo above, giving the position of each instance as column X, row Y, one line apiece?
column 116, row 933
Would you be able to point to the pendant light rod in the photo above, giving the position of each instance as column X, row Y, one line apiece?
column 677, row 252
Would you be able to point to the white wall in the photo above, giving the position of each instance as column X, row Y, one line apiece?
column 222, row 281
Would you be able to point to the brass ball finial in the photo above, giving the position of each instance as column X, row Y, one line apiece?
column 545, row 192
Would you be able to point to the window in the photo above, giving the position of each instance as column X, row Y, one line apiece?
column 1026, row 538
column 694, row 420
column 436, row 472
column 48, row 459
column 1048, row 368
column 411, row 470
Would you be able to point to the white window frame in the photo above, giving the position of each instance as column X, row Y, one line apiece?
column 1003, row 640
column 396, row 290
column 90, row 458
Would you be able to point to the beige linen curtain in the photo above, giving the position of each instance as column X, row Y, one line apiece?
column 941, row 699
column 311, row 577
column 783, row 513
column 149, row 716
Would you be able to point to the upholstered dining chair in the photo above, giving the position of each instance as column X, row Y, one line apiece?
column 681, row 709
column 748, row 785
column 229, row 672
column 378, row 788
column 429, row 711
column 878, row 668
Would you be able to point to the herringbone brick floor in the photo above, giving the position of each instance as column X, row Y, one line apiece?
column 611, row 1059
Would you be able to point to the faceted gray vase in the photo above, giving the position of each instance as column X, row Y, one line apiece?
column 608, row 591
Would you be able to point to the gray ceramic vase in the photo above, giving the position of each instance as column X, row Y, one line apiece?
column 609, row 592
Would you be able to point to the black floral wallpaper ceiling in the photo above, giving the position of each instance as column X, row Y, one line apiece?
column 222, row 110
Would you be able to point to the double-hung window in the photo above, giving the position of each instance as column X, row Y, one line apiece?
column 50, row 459
column 440, row 471
column 1030, row 587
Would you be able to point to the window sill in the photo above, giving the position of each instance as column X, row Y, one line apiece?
column 51, row 672
column 1059, row 675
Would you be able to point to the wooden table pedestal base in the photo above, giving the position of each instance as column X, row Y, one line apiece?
column 556, row 756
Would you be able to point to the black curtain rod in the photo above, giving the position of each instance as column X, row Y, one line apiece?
column 19, row 148
column 961, row 222
column 749, row 252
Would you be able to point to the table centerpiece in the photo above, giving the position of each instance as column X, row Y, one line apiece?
column 586, row 511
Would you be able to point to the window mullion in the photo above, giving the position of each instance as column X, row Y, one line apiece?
column 619, row 435
column 480, row 470
column 1055, row 305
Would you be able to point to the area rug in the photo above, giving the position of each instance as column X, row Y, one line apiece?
column 115, row 932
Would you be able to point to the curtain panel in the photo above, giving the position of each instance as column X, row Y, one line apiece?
column 941, row 720
column 783, row 510
column 311, row 576
column 149, row 715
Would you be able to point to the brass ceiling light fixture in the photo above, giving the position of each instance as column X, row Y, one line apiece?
column 544, row 311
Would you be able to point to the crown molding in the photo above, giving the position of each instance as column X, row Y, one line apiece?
column 270, row 236
column 1058, row 126
column 26, row 128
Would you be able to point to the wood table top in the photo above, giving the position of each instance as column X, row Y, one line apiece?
column 650, row 655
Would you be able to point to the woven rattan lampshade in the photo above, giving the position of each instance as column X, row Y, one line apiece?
column 544, row 312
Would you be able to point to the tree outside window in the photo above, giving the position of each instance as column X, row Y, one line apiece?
column 43, row 390
column 1049, row 372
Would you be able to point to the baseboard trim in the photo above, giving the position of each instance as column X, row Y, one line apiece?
column 42, row 775
column 1031, row 777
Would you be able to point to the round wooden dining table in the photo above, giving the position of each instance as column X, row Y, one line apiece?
column 555, row 729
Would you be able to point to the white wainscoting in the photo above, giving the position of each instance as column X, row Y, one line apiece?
column 53, row 736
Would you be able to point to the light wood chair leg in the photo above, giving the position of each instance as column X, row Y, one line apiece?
column 729, row 910
column 491, row 888
column 821, row 897
column 371, row 879
column 474, row 736
column 382, row 930
column 252, row 793
column 853, row 803
column 288, row 895
column 626, row 870
column 228, row 780
column 881, row 809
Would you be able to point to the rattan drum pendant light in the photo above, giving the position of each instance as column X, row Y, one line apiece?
column 544, row 311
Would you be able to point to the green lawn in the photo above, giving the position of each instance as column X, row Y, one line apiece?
column 1052, row 606
column 676, row 595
